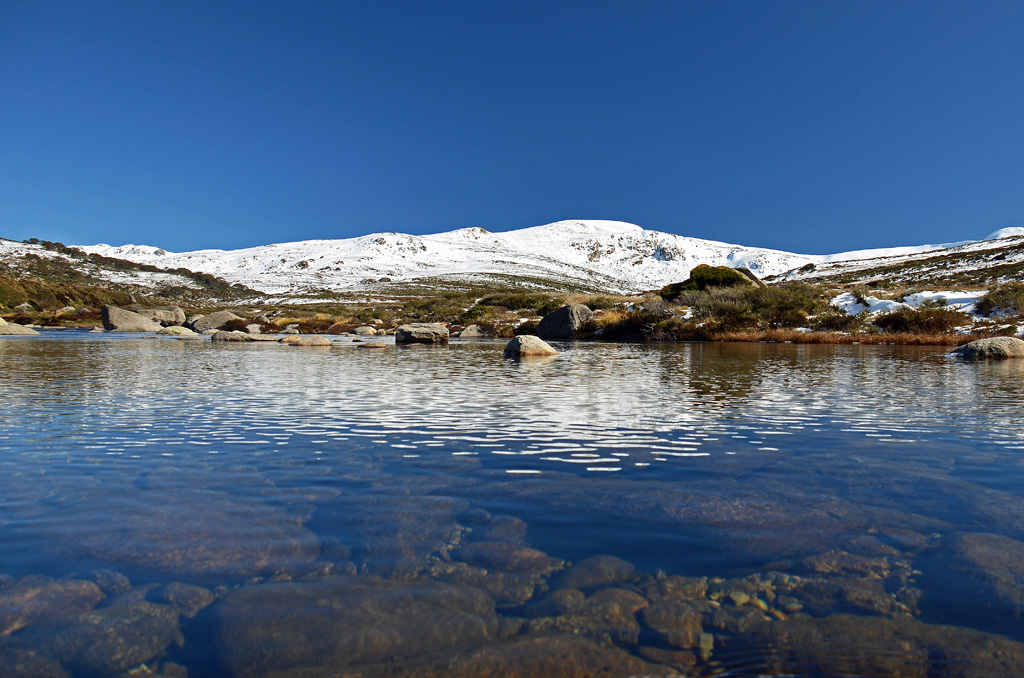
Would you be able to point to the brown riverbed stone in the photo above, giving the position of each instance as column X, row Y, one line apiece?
column 507, row 558
column 341, row 625
column 28, row 600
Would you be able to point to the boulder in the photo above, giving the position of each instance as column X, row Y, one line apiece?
column 230, row 336
column 120, row 320
column 264, row 337
column 473, row 331
column 565, row 323
column 25, row 308
column 365, row 331
column 107, row 641
column 212, row 321
column 177, row 331
column 527, row 345
column 341, row 625
column 311, row 340
column 996, row 348
column 34, row 599
column 422, row 333
column 499, row 555
column 165, row 315
column 593, row 573
column 14, row 329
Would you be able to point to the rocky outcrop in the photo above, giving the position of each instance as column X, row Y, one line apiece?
column 165, row 315
column 422, row 333
column 14, row 329
column 995, row 348
column 117, row 319
column 565, row 323
column 211, row 321
column 526, row 346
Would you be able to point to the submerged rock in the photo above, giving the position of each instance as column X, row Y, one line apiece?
column 851, row 645
column 594, row 572
column 118, row 319
column 106, row 641
column 507, row 558
column 421, row 333
column 565, row 323
column 195, row 534
column 527, row 345
column 20, row 661
column 28, row 600
column 997, row 348
column 338, row 624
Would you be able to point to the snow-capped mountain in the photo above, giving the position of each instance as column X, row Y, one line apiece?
column 592, row 255
column 586, row 255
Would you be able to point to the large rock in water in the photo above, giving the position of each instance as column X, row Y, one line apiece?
column 118, row 319
column 994, row 347
column 165, row 315
column 338, row 625
column 565, row 323
column 422, row 333
column 14, row 329
column 526, row 345
column 212, row 321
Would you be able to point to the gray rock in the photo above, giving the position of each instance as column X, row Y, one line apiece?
column 593, row 573
column 472, row 331
column 120, row 320
column 565, row 323
column 34, row 599
column 212, row 321
column 677, row 623
column 165, row 315
column 15, row 330
column 996, row 348
column 25, row 307
column 365, row 331
column 422, row 333
column 253, row 328
column 525, row 346
column 339, row 624
column 177, row 331
column 311, row 340
column 264, row 337
column 221, row 335
column 106, row 641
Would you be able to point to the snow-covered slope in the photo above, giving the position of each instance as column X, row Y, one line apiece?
column 600, row 255
column 591, row 255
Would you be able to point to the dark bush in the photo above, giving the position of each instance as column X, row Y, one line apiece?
column 1007, row 298
column 705, row 277
column 930, row 320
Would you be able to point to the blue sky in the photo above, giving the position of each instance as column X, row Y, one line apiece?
column 814, row 126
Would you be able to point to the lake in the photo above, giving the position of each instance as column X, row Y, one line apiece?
column 185, row 508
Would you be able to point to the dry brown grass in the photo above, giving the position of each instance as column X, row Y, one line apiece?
column 899, row 338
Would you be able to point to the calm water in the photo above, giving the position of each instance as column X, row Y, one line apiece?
column 186, row 508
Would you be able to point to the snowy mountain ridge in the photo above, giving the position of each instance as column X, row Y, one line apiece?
column 582, row 254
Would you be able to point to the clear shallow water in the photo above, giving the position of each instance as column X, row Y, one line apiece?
column 882, row 482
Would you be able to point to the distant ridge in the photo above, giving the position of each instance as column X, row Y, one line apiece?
column 588, row 255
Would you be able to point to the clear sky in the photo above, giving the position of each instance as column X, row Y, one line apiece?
column 811, row 126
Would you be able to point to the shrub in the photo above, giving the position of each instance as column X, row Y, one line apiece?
column 837, row 320
column 1007, row 298
column 921, row 320
column 704, row 277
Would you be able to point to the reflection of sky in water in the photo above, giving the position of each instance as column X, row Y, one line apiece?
column 596, row 408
